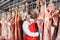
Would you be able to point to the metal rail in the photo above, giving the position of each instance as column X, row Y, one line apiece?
column 16, row 4
column 1, row 1
column 4, row 2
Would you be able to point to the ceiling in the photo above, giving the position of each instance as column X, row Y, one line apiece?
column 5, row 4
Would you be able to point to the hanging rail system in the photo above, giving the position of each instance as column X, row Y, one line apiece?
column 16, row 4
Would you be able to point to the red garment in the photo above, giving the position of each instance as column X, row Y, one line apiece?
column 32, row 28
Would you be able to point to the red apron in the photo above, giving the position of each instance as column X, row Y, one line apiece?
column 32, row 28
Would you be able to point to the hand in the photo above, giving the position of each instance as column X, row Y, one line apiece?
column 39, row 31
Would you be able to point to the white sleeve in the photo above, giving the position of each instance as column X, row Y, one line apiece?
column 27, row 31
column 32, row 20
